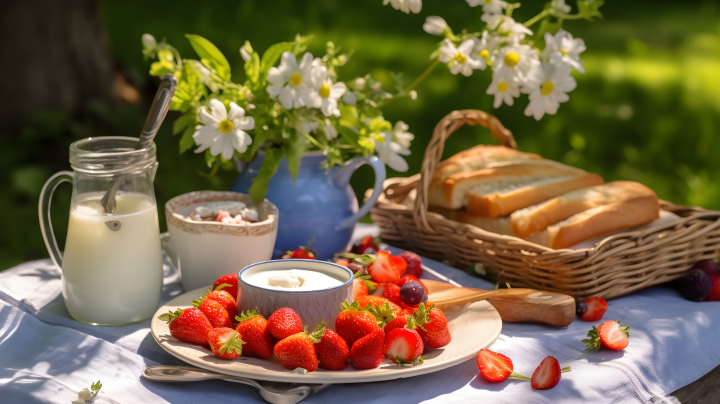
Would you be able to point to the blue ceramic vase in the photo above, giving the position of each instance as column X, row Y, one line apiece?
column 321, row 205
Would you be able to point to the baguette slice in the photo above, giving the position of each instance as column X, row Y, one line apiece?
column 478, row 157
column 455, row 189
column 498, row 204
column 535, row 218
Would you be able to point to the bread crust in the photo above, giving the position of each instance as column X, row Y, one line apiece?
column 536, row 218
column 504, row 203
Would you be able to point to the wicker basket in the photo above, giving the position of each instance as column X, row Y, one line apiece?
column 620, row 264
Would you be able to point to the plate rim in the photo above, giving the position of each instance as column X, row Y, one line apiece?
column 356, row 376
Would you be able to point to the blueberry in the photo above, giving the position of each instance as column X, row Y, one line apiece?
column 695, row 285
column 580, row 308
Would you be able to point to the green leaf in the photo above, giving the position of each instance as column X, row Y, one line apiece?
column 183, row 122
column 187, row 141
column 589, row 8
column 348, row 134
column 164, row 65
column 348, row 115
column 294, row 148
column 210, row 54
column 334, row 157
column 189, row 89
column 272, row 54
column 252, row 68
column 267, row 170
column 593, row 342
column 546, row 26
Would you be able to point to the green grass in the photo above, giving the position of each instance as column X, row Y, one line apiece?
column 648, row 108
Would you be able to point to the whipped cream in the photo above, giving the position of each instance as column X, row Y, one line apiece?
column 291, row 280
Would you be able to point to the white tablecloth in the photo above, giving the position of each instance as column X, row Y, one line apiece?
column 46, row 357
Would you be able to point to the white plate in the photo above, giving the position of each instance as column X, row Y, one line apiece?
column 473, row 327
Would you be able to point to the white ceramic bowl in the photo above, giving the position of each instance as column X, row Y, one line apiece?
column 312, row 306
column 208, row 250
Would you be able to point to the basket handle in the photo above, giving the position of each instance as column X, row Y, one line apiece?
column 449, row 124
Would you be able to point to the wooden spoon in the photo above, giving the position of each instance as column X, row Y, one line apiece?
column 513, row 304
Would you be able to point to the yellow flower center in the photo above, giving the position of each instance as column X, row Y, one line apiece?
column 377, row 137
column 295, row 79
column 325, row 91
column 547, row 88
column 511, row 59
column 489, row 62
column 460, row 58
column 484, row 54
column 488, row 1
column 226, row 126
column 502, row 86
column 564, row 52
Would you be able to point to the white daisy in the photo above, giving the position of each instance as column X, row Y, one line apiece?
column 459, row 58
column 222, row 131
column 548, row 85
column 390, row 151
column 514, row 61
column 401, row 135
column 503, row 90
column 406, row 6
column 514, row 30
column 563, row 45
column 300, row 80
column 489, row 6
column 492, row 20
column 350, row 98
column 307, row 126
column 560, row 6
column 329, row 130
column 435, row 25
column 326, row 97
column 484, row 51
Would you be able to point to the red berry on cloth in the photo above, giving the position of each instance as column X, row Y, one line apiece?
column 595, row 308
column 547, row 375
column 493, row 366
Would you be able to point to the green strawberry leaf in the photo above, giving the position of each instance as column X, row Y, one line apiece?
column 593, row 342
column 247, row 315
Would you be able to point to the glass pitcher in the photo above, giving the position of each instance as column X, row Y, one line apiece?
column 112, row 265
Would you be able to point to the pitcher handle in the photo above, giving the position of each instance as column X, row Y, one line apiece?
column 44, row 214
column 342, row 178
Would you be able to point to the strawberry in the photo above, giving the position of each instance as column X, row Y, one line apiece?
column 355, row 322
column 432, row 326
column 409, row 278
column 391, row 291
column 298, row 350
column 404, row 346
column 386, row 268
column 368, row 242
column 368, row 352
column 254, row 331
column 215, row 312
column 493, row 366
column 595, row 308
column 225, row 342
column 343, row 262
column 332, row 351
column 395, row 323
column 305, row 253
column 188, row 325
column 413, row 262
column 547, row 374
column 714, row 295
column 228, row 283
column 359, row 289
column 221, row 296
column 609, row 335
column 379, row 302
column 284, row 323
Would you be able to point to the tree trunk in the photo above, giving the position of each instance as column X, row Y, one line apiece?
column 55, row 57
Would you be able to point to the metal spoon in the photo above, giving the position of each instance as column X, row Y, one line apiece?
column 158, row 110
column 272, row 392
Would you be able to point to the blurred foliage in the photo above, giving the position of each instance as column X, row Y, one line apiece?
column 647, row 110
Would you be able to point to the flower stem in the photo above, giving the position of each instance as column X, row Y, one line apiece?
column 537, row 18
column 421, row 77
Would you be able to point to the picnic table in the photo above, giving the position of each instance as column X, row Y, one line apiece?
column 47, row 357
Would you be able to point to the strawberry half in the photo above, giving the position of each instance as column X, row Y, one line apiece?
column 493, row 366
column 547, row 374
column 228, row 283
column 332, row 351
column 368, row 352
column 225, row 343
column 595, row 309
column 253, row 330
column 404, row 346
column 359, row 289
column 188, row 325
column 384, row 269
column 610, row 335
column 298, row 350
column 284, row 323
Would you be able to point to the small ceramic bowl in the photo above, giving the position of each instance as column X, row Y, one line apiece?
column 312, row 306
column 208, row 250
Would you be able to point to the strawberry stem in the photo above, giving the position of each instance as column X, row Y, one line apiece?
column 567, row 369
column 518, row 376
column 246, row 315
column 223, row 285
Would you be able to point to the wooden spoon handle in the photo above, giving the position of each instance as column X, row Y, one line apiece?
column 517, row 304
